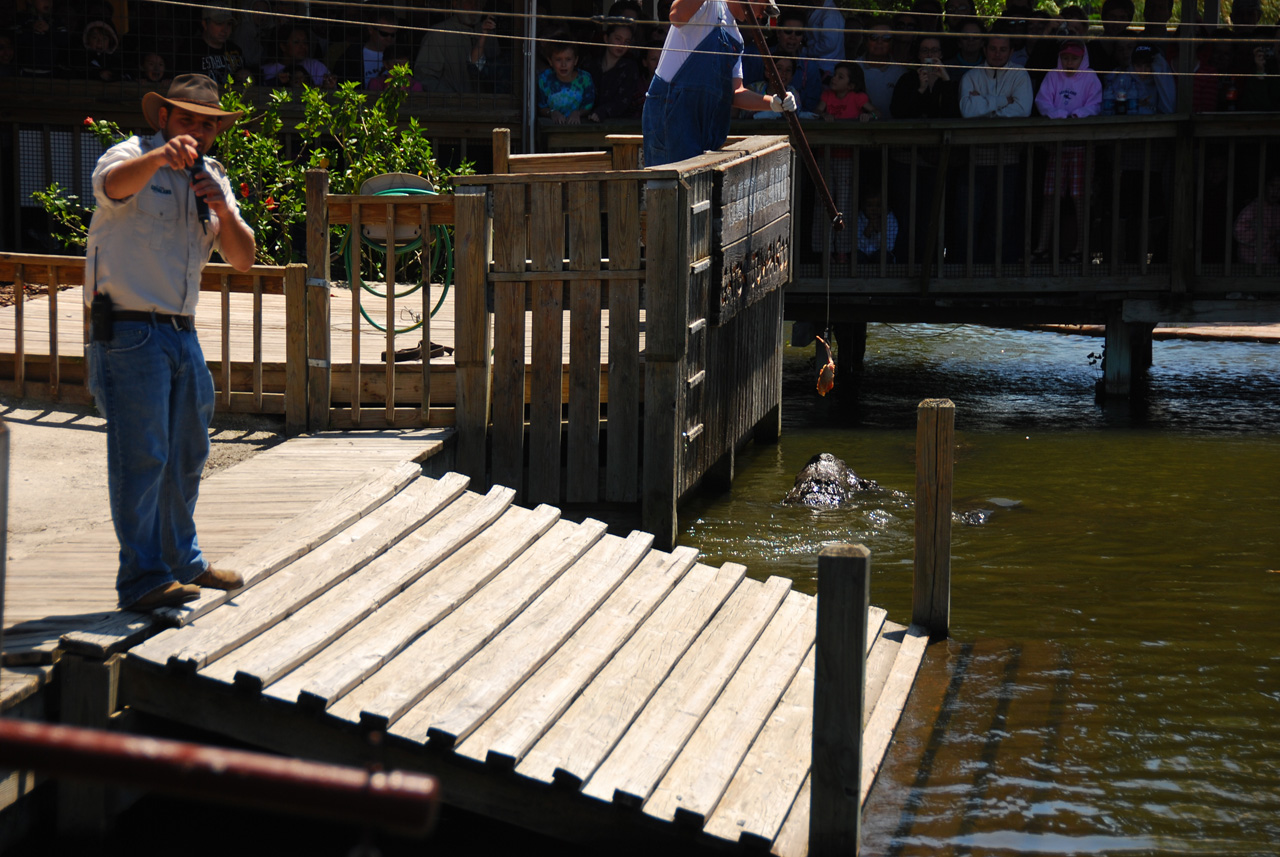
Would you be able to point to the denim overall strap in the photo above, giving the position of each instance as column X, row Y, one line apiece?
column 687, row 116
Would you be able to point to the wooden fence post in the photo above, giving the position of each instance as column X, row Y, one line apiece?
column 318, row 358
column 839, row 689
column 501, row 151
column 935, row 463
column 471, row 327
column 666, row 340
column 295, row 325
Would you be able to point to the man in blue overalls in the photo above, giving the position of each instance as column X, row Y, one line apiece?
column 698, row 82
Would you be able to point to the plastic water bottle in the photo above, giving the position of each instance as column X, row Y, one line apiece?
column 1122, row 102
column 1233, row 94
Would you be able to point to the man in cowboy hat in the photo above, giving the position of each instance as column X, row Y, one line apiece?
column 162, row 209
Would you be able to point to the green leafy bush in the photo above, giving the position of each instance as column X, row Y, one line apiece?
column 340, row 130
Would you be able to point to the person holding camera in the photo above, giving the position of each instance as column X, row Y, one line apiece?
column 163, row 207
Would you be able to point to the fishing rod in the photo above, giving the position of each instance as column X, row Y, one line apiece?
column 798, row 140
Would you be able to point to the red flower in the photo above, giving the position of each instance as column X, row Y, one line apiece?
column 88, row 120
column 270, row 204
column 244, row 190
column 246, row 133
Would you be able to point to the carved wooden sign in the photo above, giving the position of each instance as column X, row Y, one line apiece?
column 753, row 256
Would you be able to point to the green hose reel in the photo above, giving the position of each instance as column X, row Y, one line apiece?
column 440, row 256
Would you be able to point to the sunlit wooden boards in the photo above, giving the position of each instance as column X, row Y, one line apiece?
column 558, row 671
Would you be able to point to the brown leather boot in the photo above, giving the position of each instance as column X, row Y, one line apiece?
column 171, row 594
column 219, row 578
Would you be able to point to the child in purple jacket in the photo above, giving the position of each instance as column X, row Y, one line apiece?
column 1071, row 91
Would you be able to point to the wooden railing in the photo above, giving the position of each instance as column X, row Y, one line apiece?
column 245, row 382
column 1159, row 199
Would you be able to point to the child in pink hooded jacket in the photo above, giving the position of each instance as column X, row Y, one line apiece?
column 1071, row 91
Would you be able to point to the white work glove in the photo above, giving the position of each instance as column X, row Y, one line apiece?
column 778, row 105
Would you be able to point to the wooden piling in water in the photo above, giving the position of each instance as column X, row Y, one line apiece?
column 839, row 689
column 935, row 463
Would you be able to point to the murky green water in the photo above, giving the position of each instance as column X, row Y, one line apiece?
column 1112, row 685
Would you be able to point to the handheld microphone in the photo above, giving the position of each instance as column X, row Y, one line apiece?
column 202, row 207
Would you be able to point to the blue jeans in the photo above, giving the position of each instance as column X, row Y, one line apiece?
column 690, row 115
column 153, row 386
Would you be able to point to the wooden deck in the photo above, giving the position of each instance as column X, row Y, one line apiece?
column 550, row 673
column 70, row 585
column 554, row 676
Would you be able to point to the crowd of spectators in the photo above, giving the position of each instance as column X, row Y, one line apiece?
column 939, row 59
column 947, row 62
column 455, row 50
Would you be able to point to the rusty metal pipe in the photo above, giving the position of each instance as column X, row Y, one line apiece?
column 399, row 801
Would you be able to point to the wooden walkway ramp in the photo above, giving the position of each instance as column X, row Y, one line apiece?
column 551, row 674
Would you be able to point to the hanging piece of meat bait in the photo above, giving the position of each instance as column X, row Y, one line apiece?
column 827, row 374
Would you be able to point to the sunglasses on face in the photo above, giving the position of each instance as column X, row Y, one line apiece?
column 789, row 32
column 881, row 37
column 386, row 34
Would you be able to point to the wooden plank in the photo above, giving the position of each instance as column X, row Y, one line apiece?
column 508, row 339
column 666, row 334
column 357, row 296
column 284, row 592
column 390, row 324
column 546, row 249
column 340, row 207
column 582, row 483
column 471, row 328
column 793, row 838
column 424, row 612
column 461, row 634
column 18, row 684
column 284, row 647
column 55, row 366
column 764, row 788
column 296, row 350
column 318, row 327
column 880, row 660
column 578, row 741
column 424, row 224
column 634, row 767
column 451, row 712
column 563, row 162
column 879, row 730
column 20, row 329
column 509, row 732
column 702, row 771
column 622, row 479
column 403, row 680
column 119, row 630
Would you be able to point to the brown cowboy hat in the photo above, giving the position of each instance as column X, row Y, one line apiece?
column 196, row 93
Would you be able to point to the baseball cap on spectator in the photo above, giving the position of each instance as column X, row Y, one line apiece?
column 218, row 16
column 1074, row 47
column 1143, row 53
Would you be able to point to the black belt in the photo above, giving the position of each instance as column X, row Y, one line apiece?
column 179, row 322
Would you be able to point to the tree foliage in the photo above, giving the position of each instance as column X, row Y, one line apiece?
column 341, row 131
